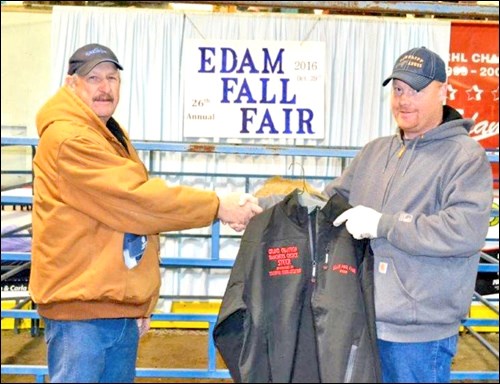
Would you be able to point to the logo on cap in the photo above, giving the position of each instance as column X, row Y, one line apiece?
column 95, row 50
column 418, row 68
column 410, row 61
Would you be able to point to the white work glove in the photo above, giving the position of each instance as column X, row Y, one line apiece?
column 361, row 222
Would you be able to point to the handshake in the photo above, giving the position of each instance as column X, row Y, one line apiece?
column 236, row 209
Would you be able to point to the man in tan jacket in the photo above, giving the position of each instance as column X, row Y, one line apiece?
column 95, row 273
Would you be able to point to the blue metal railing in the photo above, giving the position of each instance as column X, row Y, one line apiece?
column 197, row 263
column 245, row 149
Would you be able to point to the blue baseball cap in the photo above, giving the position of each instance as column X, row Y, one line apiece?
column 418, row 68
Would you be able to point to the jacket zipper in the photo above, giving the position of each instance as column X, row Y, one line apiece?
column 388, row 186
column 313, row 217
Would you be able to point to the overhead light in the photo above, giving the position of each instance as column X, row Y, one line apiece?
column 191, row 7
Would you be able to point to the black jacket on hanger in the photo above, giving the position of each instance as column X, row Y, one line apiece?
column 298, row 306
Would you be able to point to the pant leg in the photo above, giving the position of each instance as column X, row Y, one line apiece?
column 428, row 362
column 121, row 356
column 91, row 351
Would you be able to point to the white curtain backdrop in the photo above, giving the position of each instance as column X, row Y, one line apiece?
column 360, row 53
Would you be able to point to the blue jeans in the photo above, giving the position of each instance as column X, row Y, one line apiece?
column 428, row 362
column 92, row 351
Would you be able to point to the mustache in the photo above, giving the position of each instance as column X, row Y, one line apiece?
column 104, row 97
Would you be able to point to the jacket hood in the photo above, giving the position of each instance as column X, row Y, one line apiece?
column 66, row 106
column 453, row 125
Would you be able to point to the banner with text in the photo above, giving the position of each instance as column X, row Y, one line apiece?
column 473, row 80
column 254, row 89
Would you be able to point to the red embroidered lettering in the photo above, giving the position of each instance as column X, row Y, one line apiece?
column 344, row 269
column 282, row 257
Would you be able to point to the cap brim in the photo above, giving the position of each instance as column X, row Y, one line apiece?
column 417, row 82
column 87, row 67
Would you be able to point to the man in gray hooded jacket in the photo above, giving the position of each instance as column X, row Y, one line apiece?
column 423, row 197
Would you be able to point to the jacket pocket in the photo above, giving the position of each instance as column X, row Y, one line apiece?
column 390, row 294
column 143, row 281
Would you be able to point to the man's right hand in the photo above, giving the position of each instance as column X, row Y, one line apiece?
column 236, row 209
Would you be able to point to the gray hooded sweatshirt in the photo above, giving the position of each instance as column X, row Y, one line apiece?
column 435, row 194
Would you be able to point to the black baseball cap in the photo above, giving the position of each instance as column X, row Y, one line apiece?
column 88, row 56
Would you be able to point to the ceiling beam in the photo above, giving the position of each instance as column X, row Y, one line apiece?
column 467, row 10
column 464, row 10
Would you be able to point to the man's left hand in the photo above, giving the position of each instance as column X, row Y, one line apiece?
column 143, row 323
